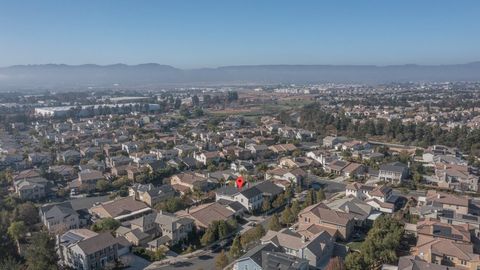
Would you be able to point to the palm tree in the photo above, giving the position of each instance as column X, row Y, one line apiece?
column 17, row 230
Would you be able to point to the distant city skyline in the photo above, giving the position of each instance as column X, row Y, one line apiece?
column 197, row 34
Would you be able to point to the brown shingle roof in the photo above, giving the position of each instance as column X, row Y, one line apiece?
column 325, row 214
column 97, row 243
column 122, row 206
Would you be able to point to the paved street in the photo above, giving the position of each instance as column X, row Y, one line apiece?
column 205, row 262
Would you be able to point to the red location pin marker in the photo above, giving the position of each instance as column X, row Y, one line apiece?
column 240, row 182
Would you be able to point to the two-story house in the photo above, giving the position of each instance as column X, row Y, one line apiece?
column 59, row 217
column 86, row 250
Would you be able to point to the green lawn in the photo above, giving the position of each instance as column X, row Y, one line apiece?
column 355, row 245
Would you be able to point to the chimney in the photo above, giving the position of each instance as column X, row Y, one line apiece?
column 304, row 239
column 347, row 209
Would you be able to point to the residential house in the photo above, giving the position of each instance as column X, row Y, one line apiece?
column 66, row 171
column 337, row 223
column 354, row 145
column 59, row 217
column 317, row 249
column 133, row 172
column 207, row 157
column 446, row 252
column 90, row 152
column 258, row 150
column 331, row 141
column 31, row 188
column 38, row 159
column 458, row 204
column 336, row 167
column 164, row 154
column 282, row 149
column 295, row 176
column 150, row 194
column 129, row 147
column 296, row 162
column 456, row 177
column 121, row 209
column 176, row 229
column 269, row 257
column 394, row 172
column 359, row 209
column 69, row 157
column 139, row 231
column 189, row 181
column 205, row 214
column 269, row 189
column 429, row 229
column 237, row 152
column 87, row 250
column 322, row 157
column 242, row 166
column 26, row 174
column 87, row 180
column 250, row 197
column 414, row 262
column 116, row 161
column 379, row 197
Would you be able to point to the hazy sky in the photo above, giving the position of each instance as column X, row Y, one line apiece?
column 202, row 33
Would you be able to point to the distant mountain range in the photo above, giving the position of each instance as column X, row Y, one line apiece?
column 60, row 76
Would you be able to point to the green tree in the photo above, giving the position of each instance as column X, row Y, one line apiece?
column 287, row 217
column 9, row 263
column 252, row 236
column 266, row 205
column 320, row 195
column 221, row 261
column 178, row 103
column 195, row 100
column 27, row 212
column 222, row 229
column 259, row 231
column 296, row 208
column 106, row 224
column 16, row 231
column 355, row 261
column 159, row 254
column 310, row 198
column 102, row 185
column 236, row 248
column 379, row 246
column 172, row 205
column 289, row 193
column 208, row 237
column 279, row 201
column 274, row 224
column 40, row 254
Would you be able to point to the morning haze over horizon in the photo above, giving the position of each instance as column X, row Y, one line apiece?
column 239, row 135
column 199, row 34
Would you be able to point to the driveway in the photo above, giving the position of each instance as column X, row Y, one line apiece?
column 135, row 262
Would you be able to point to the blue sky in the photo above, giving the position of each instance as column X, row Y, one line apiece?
column 203, row 33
